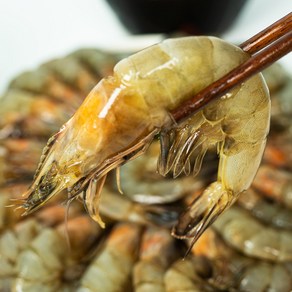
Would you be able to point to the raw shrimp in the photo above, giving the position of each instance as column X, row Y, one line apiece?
column 120, row 208
column 274, row 183
column 42, row 266
column 26, row 114
column 279, row 151
column 263, row 276
column 266, row 210
column 18, row 158
column 99, row 62
column 256, row 240
column 111, row 269
column 227, row 264
column 43, row 81
column 123, row 114
column 72, row 72
column 141, row 182
column 234, row 272
column 158, row 251
column 12, row 242
column 189, row 275
column 276, row 77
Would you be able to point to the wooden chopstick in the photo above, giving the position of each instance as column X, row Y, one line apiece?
column 265, row 47
column 268, row 35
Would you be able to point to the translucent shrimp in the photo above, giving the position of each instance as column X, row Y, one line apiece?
column 226, row 263
column 43, row 81
column 267, row 211
column 44, row 264
column 278, row 151
column 257, row 241
column 141, row 182
column 264, row 276
column 18, row 158
column 189, row 275
column 12, row 243
column 26, row 114
column 111, row 269
column 72, row 72
column 158, row 251
column 116, row 207
column 274, row 183
column 99, row 62
column 123, row 114
column 232, row 271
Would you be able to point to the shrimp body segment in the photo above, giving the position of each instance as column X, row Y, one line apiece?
column 123, row 113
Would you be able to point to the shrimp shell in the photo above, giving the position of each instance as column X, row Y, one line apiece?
column 278, row 151
column 25, row 114
column 191, row 274
column 264, row 276
column 275, row 184
column 43, row 81
column 265, row 210
column 42, row 265
column 157, row 252
column 120, row 208
column 112, row 267
column 141, row 182
column 71, row 71
column 258, row 240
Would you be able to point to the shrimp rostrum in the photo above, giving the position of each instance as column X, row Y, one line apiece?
column 125, row 112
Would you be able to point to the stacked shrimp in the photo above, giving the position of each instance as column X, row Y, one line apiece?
column 59, row 248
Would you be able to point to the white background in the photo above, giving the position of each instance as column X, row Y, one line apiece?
column 33, row 31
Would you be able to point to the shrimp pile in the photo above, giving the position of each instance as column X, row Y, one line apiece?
column 124, row 112
column 43, row 251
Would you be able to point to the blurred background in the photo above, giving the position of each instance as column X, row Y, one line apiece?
column 33, row 31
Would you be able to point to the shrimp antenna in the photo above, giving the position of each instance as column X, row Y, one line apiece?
column 265, row 48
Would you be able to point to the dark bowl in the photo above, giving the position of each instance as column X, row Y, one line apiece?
column 168, row 16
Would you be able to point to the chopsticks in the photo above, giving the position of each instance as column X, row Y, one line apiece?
column 265, row 48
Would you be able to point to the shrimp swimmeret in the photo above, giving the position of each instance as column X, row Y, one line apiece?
column 124, row 112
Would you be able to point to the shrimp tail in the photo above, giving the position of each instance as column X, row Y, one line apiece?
column 203, row 212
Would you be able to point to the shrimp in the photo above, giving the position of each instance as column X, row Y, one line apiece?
column 111, row 269
column 141, row 183
column 274, row 183
column 276, row 77
column 265, row 276
column 158, row 251
column 266, row 211
column 26, row 114
column 120, row 208
column 234, row 272
column 227, row 264
column 189, row 275
column 12, row 243
column 97, row 61
column 43, row 81
column 18, row 158
column 42, row 266
column 278, row 151
column 257, row 241
column 72, row 72
column 123, row 113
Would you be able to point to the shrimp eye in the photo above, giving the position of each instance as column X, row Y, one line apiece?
column 46, row 188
